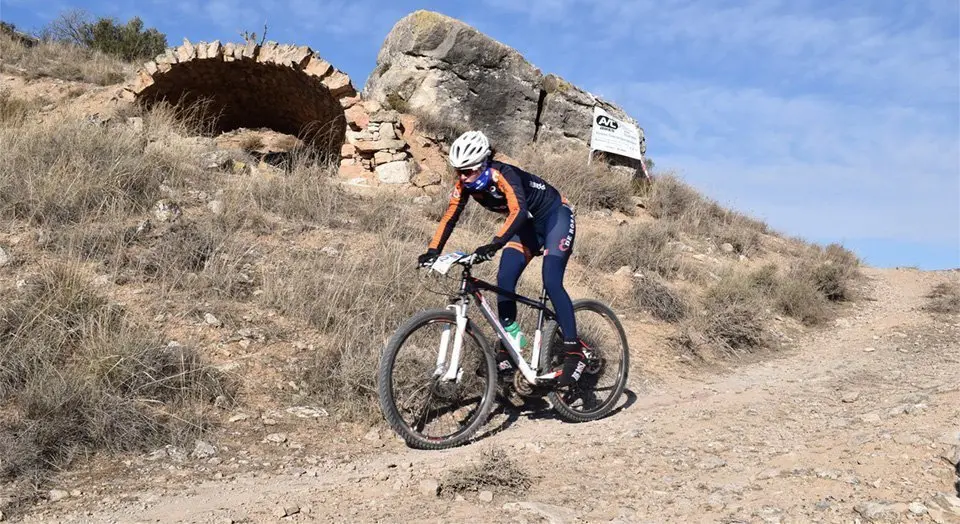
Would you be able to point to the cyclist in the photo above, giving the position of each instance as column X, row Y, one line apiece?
column 539, row 221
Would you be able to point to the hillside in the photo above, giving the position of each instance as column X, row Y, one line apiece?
column 189, row 308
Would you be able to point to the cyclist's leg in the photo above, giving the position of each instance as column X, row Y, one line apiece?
column 516, row 255
column 561, row 229
column 561, row 232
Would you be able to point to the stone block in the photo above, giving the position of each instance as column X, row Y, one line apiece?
column 214, row 50
column 379, row 145
column 347, row 102
column 382, row 157
column 385, row 115
column 338, row 83
column 387, row 131
column 394, row 173
column 186, row 52
column 317, row 67
column 357, row 116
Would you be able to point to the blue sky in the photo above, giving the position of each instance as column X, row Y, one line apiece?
column 835, row 122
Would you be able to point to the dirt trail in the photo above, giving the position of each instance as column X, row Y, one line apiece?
column 849, row 426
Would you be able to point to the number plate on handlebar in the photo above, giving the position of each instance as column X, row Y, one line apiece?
column 445, row 262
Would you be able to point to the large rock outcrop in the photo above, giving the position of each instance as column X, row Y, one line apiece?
column 434, row 65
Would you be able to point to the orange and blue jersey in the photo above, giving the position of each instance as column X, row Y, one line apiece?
column 520, row 195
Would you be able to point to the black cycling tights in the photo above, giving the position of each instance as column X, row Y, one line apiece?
column 557, row 239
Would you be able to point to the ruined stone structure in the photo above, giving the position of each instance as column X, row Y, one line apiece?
column 289, row 89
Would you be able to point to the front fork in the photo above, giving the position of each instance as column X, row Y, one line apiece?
column 453, row 371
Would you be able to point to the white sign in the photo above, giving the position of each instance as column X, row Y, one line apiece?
column 615, row 136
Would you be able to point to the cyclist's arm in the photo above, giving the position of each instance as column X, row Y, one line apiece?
column 511, row 187
column 457, row 201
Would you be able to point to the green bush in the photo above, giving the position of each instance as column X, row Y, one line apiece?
column 130, row 41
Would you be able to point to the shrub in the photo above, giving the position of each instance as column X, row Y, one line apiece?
column 664, row 303
column 495, row 471
column 732, row 315
column 646, row 247
column 129, row 42
column 832, row 271
column 795, row 297
column 80, row 376
column 730, row 319
column 944, row 298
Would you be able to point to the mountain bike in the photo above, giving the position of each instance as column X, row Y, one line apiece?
column 437, row 379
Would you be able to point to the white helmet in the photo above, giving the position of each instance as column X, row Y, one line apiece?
column 469, row 149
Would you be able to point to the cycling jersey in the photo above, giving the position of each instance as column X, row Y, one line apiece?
column 520, row 195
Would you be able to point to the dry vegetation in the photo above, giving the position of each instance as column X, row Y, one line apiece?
column 60, row 60
column 79, row 375
column 495, row 471
column 944, row 298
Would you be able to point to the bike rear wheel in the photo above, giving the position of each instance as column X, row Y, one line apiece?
column 602, row 383
column 427, row 411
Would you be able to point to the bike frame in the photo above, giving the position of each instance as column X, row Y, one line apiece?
column 471, row 289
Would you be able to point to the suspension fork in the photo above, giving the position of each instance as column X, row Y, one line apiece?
column 452, row 371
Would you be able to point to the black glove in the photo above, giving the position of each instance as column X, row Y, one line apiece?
column 428, row 258
column 487, row 252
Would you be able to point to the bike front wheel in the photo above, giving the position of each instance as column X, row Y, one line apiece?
column 603, row 381
column 427, row 410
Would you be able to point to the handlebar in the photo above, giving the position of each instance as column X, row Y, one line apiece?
column 443, row 263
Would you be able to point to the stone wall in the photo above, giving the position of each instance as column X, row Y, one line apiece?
column 289, row 89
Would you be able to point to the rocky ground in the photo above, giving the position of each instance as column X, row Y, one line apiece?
column 860, row 422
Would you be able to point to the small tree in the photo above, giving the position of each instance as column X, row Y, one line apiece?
column 128, row 42
column 125, row 41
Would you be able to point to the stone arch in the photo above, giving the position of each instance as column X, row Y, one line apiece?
column 289, row 89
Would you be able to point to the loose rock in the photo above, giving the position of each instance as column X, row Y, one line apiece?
column 429, row 488
column 486, row 496
column 277, row 438
column 394, row 172
column 203, row 450
column 850, row 396
column 553, row 514
column 58, row 494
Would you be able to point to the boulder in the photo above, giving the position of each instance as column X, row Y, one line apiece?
column 437, row 66
column 394, row 172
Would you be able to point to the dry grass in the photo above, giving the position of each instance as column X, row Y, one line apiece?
column 832, row 271
column 644, row 247
column 594, row 186
column 14, row 110
column 657, row 297
column 356, row 299
column 670, row 198
column 495, row 471
column 66, row 170
column 59, row 60
column 944, row 298
column 80, row 376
